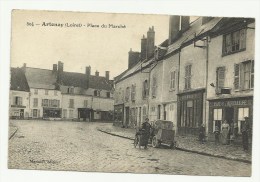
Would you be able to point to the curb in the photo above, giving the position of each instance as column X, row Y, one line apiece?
column 186, row 150
column 12, row 135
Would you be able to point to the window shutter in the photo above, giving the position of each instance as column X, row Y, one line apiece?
column 252, row 74
column 236, row 76
column 243, row 39
column 221, row 77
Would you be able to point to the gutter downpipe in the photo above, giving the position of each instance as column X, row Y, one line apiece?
column 207, row 66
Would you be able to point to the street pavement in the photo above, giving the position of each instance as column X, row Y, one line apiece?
column 191, row 144
column 79, row 146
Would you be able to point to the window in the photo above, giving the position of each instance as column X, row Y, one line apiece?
column 70, row 113
column 217, row 119
column 133, row 92
column 18, row 101
column 35, row 102
column 55, row 103
column 220, row 78
column 242, row 113
column 35, row 91
column 244, row 75
column 55, row 92
column 64, row 113
column 154, row 86
column 46, row 92
column 172, row 81
column 85, row 103
column 45, row 102
column 187, row 77
column 108, row 94
column 145, row 89
column 127, row 94
column 97, row 93
column 71, row 103
column 234, row 42
column 144, row 113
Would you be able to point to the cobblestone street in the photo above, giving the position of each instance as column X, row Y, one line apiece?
column 79, row 146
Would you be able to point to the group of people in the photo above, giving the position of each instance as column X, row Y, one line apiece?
column 228, row 133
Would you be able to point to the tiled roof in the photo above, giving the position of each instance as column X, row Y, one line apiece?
column 81, row 80
column 74, row 79
column 41, row 78
column 196, row 27
column 18, row 80
column 99, row 82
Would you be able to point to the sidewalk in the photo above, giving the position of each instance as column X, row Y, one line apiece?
column 189, row 144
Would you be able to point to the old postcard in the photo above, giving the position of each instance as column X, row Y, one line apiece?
column 131, row 93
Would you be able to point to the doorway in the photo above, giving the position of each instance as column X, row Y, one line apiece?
column 126, row 116
column 229, row 114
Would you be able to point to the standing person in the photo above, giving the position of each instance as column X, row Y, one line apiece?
column 224, row 132
column 202, row 133
column 245, row 130
column 146, row 127
column 235, row 130
column 216, row 132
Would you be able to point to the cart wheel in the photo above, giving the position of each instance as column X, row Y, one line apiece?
column 155, row 142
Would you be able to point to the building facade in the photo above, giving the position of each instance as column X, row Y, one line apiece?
column 202, row 74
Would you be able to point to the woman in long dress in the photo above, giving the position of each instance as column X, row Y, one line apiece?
column 224, row 132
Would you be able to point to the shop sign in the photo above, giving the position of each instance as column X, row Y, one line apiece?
column 230, row 103
column 190, row 96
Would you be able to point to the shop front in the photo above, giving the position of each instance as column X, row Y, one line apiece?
column 85, row 114
column 190, row 112
column 49, row 113
column 232, row 110
column 17, row 112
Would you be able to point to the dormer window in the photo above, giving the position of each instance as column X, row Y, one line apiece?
column 97, row 93
column 71, row 90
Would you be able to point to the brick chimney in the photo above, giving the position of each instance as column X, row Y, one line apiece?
column 185, row 23
column 150, row 42
column 174, row 28
column 88, row 70
column 107, row 75
column 133, row 58
column 54, row 68
column 97, row 73
column 60, row 67
column 143, row 47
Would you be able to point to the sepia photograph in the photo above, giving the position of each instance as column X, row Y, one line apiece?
column 131, row 93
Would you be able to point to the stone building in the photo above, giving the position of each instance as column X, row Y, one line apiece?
column 56, row 94
column 231, row 74
column 202, row 74
column 19, row 95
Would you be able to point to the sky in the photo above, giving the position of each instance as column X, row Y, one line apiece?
column 79, row 39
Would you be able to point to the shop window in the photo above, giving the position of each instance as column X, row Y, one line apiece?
column 244, row 75
column 172, row 80
column 242, row 113
column 187, row 77
column 217, row 119
column 234, row 42
column 35, row 102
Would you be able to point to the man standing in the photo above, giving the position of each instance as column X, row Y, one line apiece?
column 146, row 127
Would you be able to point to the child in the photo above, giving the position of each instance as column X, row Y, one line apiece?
column 216, row 134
